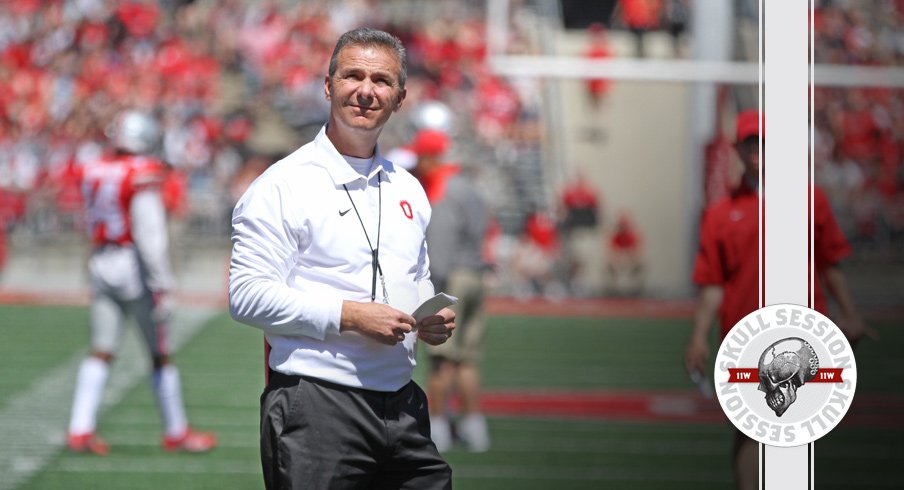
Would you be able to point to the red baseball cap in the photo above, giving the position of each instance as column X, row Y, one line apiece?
column 430, row 142
column 748, row 124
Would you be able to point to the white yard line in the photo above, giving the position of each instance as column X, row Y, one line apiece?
column 33, row 423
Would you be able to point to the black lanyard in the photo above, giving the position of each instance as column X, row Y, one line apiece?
column 374, row 251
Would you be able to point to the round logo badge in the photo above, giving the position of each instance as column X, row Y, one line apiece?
column 785, row 375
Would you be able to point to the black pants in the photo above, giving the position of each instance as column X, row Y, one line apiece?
column 319, row 435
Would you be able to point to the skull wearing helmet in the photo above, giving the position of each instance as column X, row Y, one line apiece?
column 784, row 367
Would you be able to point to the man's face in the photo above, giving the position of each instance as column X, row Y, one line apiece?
column 749, row 152
column 426, row 164
column 365, row 89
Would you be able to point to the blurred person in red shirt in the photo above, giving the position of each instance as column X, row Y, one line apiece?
column 625, row 265
column 455, row 238
column 536, row 256
column 580, row 206
column 430, row 146
column 641, row 16
column 726, row 269
column 581, row 203
column 542, row 230
column 139, row 17
column 597, row 49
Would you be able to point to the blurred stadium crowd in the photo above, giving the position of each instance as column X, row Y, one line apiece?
column 860, row 131
column 221, row 75
column 209, row 71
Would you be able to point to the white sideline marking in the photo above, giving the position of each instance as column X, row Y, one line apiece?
column 33, row 423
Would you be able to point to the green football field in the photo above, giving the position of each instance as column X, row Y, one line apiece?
column 573, row 403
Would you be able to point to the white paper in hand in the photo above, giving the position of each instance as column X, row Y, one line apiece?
column 433, row 305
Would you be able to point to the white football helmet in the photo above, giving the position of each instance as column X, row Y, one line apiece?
column 434, row 115
column 135, row 132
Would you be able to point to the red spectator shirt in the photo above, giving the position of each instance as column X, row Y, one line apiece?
column 729, row 250
column 542, row 231
column 139, row 18
column 641, row 14
column 579, row 195
column 625, row 239
column 598, row 51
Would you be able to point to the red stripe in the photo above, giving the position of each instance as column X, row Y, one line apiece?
column 743, row 375
column 827, row 375
column 752, row 375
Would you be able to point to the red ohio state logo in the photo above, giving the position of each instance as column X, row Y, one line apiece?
column 406, row 208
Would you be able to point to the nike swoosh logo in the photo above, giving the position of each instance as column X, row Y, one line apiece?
column 342, row 213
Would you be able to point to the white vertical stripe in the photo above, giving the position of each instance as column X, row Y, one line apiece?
column 786, row 178
column 786, row 167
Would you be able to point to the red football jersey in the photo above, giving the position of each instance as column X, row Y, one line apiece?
column 108, row 186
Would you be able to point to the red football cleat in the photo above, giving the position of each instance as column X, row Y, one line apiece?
column 191, row 442
column 87, row 443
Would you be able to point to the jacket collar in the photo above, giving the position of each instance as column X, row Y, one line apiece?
column 340, row 171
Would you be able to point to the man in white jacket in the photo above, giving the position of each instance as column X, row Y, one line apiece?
column 329, row 259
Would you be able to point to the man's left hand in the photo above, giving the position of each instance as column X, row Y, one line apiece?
column 436, row 329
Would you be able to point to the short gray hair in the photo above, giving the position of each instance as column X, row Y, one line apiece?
column 367, row 36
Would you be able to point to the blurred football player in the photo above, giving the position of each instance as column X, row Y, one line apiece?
column 727, row 270
column 129, row 275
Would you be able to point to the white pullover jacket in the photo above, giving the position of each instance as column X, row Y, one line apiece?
column 299, row 250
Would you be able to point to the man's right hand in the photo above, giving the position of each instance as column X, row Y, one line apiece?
column 695, row 356
column 377, row 321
